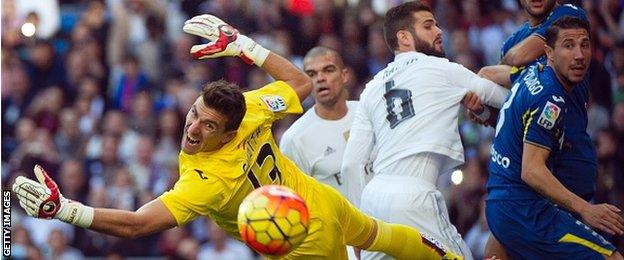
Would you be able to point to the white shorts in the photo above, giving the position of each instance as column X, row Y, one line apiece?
column 414, row 202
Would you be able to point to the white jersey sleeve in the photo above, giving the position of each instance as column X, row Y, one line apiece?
column 357, row 155
column 489, row 92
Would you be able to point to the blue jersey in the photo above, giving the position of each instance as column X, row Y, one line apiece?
column 532, row 113
column 539, row 30
column 575, row 165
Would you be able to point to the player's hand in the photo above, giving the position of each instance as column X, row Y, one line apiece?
column 44, row 200
column 605, row 217
column 476, row 111
column 40, row 199
column 224, row 39
column 472, row 102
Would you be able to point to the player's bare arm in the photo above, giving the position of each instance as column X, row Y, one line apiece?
column 43, row 199
column 499, row 74
column 150, row 218
column 281, row 69
column 525, row 52
column 535, row 173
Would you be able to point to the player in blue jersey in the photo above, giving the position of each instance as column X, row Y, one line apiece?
column 522, row 191
column 525, row 45
column 575, row 165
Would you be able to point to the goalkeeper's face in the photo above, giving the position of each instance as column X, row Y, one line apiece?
column 204, row 129
column 426, row 34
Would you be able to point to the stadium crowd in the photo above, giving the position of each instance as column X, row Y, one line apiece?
column 96, row 92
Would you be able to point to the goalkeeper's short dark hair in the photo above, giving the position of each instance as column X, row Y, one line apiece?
column 565, row 22
column 227, row 98
column 400, row 17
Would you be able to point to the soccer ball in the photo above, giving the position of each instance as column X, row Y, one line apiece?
column 273, row 220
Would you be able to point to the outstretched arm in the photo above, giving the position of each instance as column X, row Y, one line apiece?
column 150, row 218
column 225, row 40
column 43, row 200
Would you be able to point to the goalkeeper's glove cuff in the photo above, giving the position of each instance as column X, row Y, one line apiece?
column 75, row 213
column 252, row 52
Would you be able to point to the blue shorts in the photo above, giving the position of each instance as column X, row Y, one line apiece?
column 537, row 229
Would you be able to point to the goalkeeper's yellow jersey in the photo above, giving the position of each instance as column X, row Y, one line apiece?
column 215, row 183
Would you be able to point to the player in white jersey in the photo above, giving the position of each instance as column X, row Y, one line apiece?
column 316, row 141
column 408, row 113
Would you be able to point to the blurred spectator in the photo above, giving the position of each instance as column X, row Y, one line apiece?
column 257, row 79
column 115, row 123
column 170, row 240
column 352, row 51
column 59, row 248
column 597, row 117
column 44, row 67
column 188, row 249
column 168, row 134
column 68, row 139
column 83, row 62
column 73, row 180
column 221, row 246
column 153, row 50
column 102, row 167
column 379, row 52
column 15, row 100
column 41, row 230
column 94, row 18
column 22, row 246
column 90, row 104
column 132, row 81
column 38, row 149
column 142, row 118
column 143, row 168
column 46, row 107
column 122, row 192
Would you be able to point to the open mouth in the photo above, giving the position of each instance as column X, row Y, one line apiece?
column 323, row 90
column 191, row 141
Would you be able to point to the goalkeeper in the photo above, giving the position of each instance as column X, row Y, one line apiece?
column 228, row 150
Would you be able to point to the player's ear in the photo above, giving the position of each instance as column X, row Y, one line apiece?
column 404, row 38
column 344, row 74
column 549, row 52
column 228, row 136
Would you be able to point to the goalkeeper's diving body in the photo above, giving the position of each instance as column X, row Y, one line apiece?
column 228, row 150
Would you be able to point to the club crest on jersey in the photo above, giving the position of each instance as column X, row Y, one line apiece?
column 549, row 115
column 274, row 103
